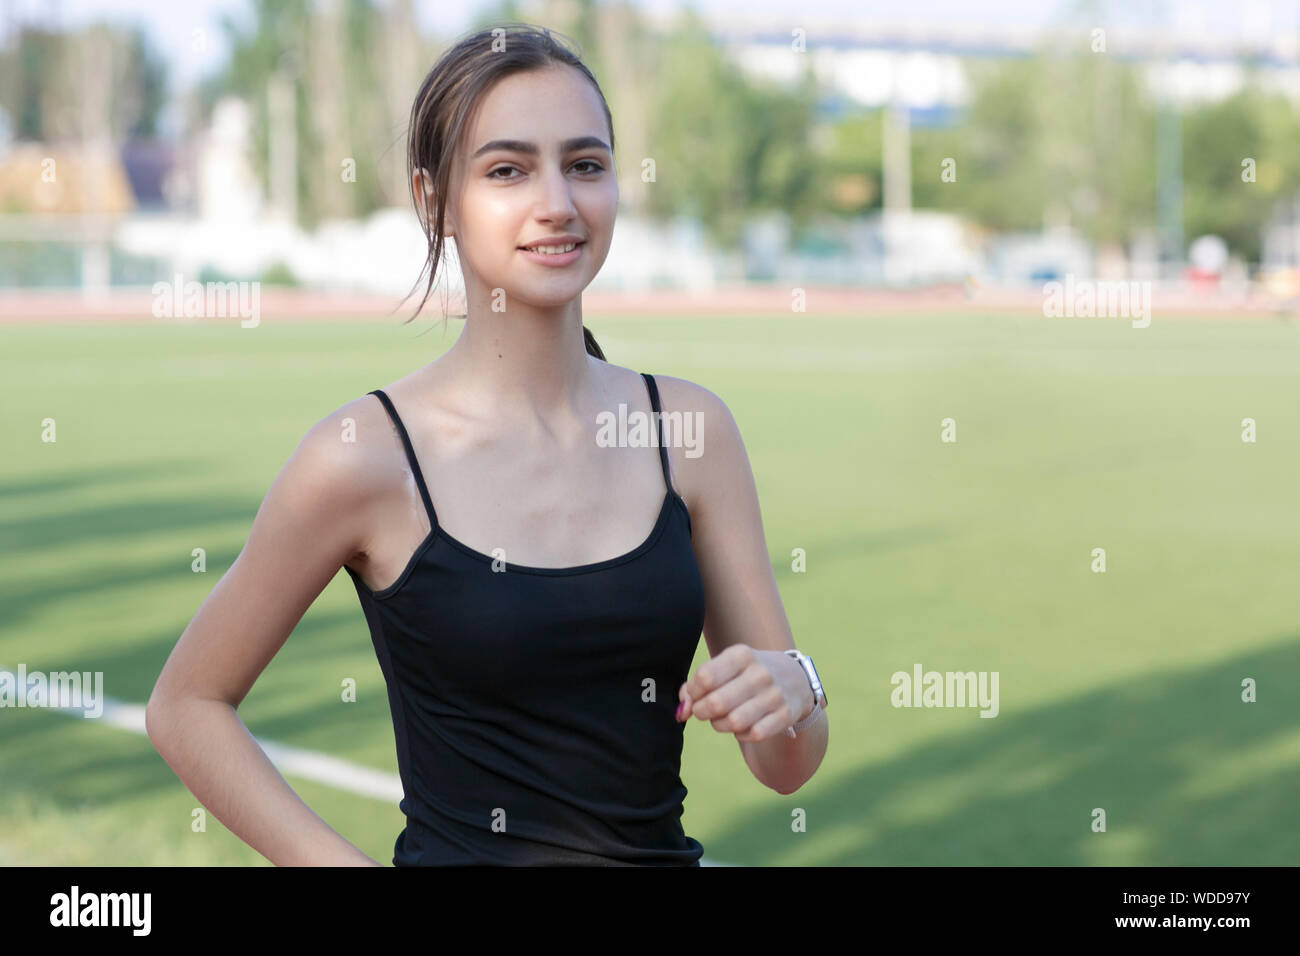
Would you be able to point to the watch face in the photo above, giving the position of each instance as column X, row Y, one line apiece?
column 814, row 677
column 822, row 690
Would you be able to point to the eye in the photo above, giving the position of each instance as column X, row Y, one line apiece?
column 596, row 167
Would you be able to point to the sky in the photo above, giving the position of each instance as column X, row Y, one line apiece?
column 187, row 32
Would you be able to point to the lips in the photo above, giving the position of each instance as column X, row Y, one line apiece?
column 554, row 259
column 552, row 247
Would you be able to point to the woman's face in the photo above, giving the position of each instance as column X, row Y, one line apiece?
column 535, row 165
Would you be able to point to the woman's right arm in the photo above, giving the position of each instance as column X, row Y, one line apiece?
column 311, row 522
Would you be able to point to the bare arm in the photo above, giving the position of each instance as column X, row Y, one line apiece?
column 742, row 603
column 309, row 524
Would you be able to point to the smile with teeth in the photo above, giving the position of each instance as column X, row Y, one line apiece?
column 554, row 250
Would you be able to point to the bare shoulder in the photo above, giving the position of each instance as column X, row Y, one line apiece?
column 703, row 415
column 347, row 444
column 342, row 469
column 679, row 394
column 704, row 443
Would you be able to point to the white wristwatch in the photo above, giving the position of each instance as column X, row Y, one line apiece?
column 819, row 695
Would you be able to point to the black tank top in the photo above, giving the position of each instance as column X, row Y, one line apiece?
column 533, row 708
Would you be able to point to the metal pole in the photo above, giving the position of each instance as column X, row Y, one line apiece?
column 1169, row 170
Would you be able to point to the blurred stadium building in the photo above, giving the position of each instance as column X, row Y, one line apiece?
column 121, row 214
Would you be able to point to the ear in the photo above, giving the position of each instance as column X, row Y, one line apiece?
column 422, row 190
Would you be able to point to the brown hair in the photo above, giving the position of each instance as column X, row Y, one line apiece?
column 447, row 97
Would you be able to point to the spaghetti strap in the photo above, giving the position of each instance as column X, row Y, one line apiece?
column 410, row 454
column 654, row 404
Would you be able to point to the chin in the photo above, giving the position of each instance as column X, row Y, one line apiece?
column 550, row 297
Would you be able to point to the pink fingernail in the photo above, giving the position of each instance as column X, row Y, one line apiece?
column 680, row 707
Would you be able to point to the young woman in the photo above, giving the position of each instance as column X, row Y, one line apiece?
column 535, row 594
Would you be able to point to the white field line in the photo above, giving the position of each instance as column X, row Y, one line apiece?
column 290, row 761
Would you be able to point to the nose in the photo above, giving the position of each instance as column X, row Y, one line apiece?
column 555, row 202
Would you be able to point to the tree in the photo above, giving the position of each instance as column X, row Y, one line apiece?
column 1217, row 138
column 741, row 147
column 48, row 76
column 345, row 63
column 1053, row 136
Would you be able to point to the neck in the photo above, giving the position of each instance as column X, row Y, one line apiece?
column 524, row 365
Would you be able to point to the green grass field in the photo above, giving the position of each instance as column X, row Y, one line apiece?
column 1119, row 690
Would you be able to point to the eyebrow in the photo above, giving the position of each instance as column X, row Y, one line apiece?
column 519, row 146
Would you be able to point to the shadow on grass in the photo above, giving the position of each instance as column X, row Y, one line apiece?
column 295, row 700
column 115, row 520
column 96, row 478
column 1187, row 773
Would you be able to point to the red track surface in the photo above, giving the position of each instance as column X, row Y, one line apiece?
column 26, row 305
